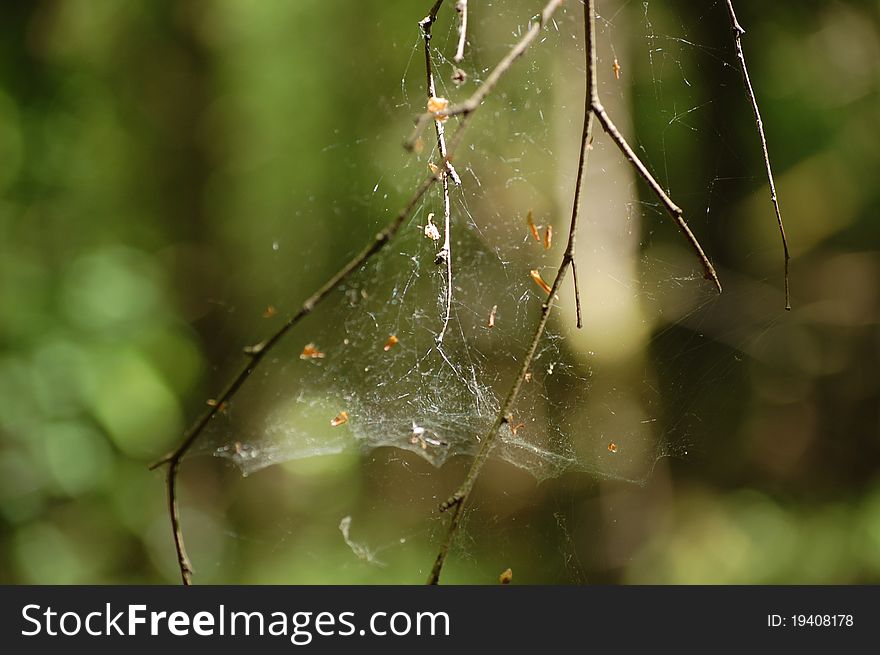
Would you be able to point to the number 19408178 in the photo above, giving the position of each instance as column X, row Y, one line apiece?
column 811, row 621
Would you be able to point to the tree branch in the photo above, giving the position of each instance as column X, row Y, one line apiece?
column 592, row 106
column 738, row 31
column 255, row 354
column 445, row 254
column 674, row 210
column 458, row 501
column 611, row 129
column 425, row 25
column 445, row 257
column 469, row 106
column 462, row 8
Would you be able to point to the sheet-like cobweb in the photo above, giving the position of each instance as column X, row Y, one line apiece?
column 366, row 371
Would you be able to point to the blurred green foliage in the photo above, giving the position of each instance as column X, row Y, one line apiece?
column 158, row 161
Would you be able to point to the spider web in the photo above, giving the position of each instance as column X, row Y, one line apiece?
column 365, row 371
column 437, row 400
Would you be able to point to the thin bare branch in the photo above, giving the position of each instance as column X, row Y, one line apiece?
column 425, row 25
column 458, row 501
column 586, row 144
column 592, row 106
column 738, row 32
column 255, row 354
column 462, row 8
column 432, row 15
column 674, row 210
column 611, row 129
column 469, row 106
column 445, row 254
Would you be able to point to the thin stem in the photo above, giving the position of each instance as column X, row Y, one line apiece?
column 592, row 106
column 674, row 210
column 458, row 501
column 577, row 294
column 586, row 144
column 425, row 24
column 462, row 8
column 183, row 562
column 469, row 106
column 256, row 353
column 445, row 255
column 611, row 129
column 432, row 15
column 738, row 31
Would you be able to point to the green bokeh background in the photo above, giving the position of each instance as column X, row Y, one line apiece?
column 152, row 153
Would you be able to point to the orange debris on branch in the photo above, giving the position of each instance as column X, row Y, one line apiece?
column 437, row 105
column 530, row 221
column 311, row 352
column 536, row 276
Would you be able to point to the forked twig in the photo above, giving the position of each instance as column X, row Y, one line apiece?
column 611, row 130
column 425, row 25
column 592, row 106
column 738, row 31
column 258, row 352
column 467, row 108
column 674, row 210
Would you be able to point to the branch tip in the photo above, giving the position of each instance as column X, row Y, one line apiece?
column 759, row 124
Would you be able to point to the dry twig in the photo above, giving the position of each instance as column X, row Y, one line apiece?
column 457, row 502
column 257, row 353
column 445, row 254
column 469, row 106
column 462, row 8
column 738, row 32
column 592, row 107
